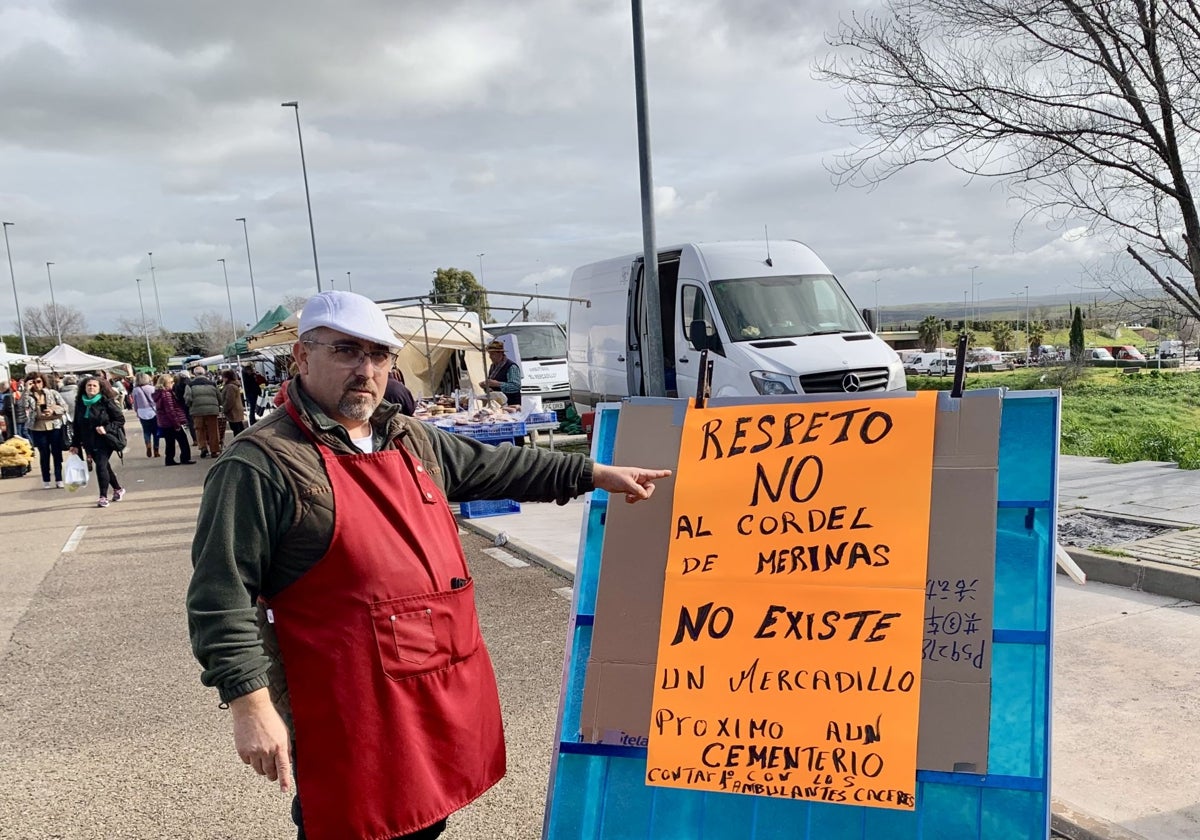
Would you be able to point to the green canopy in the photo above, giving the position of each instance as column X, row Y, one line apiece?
column 271, row 319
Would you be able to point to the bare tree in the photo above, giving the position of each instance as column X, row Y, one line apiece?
column 132, row 327
column 294, row 303
column 40, row 321
column 1090, row 109
column 216, row 331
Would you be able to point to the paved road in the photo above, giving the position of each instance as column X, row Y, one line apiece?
column 105, row 731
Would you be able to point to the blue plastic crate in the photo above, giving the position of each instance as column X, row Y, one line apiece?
column 541, row 417
column 488, row 431
column 488, row 507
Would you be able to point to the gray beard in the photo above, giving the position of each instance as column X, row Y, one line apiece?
column 357, row 408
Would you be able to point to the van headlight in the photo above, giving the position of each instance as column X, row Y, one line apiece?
column 770, row 383
column 896, row 378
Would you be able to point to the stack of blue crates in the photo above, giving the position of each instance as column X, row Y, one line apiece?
column 489, row 433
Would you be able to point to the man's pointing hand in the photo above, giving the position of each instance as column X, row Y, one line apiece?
column 637, row 483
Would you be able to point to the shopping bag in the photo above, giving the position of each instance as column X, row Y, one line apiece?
column 75, row 472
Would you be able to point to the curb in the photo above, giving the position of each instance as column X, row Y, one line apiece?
column 1141, row 575
column 1074, row 824
column 522, row 550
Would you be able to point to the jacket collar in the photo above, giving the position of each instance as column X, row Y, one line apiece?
column 385, row 425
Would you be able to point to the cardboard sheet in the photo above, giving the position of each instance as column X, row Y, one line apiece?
column 955, row 688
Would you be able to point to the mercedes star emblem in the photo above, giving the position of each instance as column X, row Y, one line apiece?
column 851, row 383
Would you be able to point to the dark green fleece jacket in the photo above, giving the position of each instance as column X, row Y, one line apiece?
column 248, row 507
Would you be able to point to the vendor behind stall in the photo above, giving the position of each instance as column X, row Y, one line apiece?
column 504, row 376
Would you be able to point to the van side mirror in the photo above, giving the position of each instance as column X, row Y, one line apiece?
column 869, row 317
column 698, row 335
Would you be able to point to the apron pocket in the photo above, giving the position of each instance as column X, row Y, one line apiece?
column 408, row 643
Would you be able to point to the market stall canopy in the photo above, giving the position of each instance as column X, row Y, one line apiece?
column 67, row 359
column 265, row 324
column 7, row 358
column 431, row 334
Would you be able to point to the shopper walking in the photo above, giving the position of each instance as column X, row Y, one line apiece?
column 232, row 404
column 45, row 411
column 172, row 420
column 252, row 391
column 204, row 402
column 100, row 431
column 143, row 404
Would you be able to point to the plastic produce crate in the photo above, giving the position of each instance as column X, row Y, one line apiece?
column 488, row 431
column 488, row 507
column 542, row 417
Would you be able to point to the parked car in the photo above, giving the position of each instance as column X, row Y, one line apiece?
column 1097, row 354
column 1126, row 352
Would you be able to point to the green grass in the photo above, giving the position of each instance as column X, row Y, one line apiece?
column 1144, row 417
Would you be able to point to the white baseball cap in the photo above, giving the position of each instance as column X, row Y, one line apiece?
column 348, row 313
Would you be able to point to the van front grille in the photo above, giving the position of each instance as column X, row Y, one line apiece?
column 845, row 381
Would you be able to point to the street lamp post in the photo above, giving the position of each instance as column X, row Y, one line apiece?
column 250, row 265
column 974, row 298
column 16, row 298
column 145, row 330
column 966, row 311
column 307, row 198
column 1027, row 326
column 53, row 305
column 229, row 297
column 481, row 256
column 878, row 322
column 349, row 288
column 154, row 283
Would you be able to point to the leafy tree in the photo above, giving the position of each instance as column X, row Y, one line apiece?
column 1076, row 336
column 1036, row 336
column 37, row 344
column 40, row 321
column 1002, row 336
column 457, row 285
column 1087, row 109
column 929, row 333
column 127, row 349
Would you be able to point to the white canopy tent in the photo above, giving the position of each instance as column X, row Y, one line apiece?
column 431, row 336
column 7, row 358
column 67, row 359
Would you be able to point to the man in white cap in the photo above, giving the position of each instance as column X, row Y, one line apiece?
column 331, row 604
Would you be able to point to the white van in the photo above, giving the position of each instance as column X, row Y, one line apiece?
column 542, row 346
column 777, row 324
column 930, row 364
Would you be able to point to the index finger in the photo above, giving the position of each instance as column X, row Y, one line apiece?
column 283, row 769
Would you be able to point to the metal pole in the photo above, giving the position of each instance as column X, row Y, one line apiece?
column 307, row 198
column 974, row 300
column 228, row 297
column 253, row 294
column 349, row 288
column 878, row 322
column 1027, row 326
column 16, row 299
column 965, row 311
column 53, row 305
column 652, row 344
column 154, row 283
column 145, row 330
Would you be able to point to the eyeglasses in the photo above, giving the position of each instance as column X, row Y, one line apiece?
column 351, row 355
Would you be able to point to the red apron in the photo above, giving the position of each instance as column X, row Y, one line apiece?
column 394, row 701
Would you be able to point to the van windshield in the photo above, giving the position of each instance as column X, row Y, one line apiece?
column 785, row 307
column 535, row 341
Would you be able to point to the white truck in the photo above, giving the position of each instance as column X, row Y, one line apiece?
column 542, row 349
column 773, row 317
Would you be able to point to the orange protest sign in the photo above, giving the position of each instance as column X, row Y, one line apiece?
column 789, row 658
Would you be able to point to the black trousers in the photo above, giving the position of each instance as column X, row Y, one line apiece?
column 172, row 436
column 104, row 474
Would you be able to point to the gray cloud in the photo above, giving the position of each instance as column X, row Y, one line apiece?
column 434, row 132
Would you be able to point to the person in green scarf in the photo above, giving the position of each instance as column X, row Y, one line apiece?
column 100, row 431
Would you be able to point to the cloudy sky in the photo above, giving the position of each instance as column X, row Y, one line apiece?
column 437, row 131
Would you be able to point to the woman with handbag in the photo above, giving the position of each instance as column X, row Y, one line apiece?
column 100, row 431
column 143, row 405
column 45, row 410
column 172, row 420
